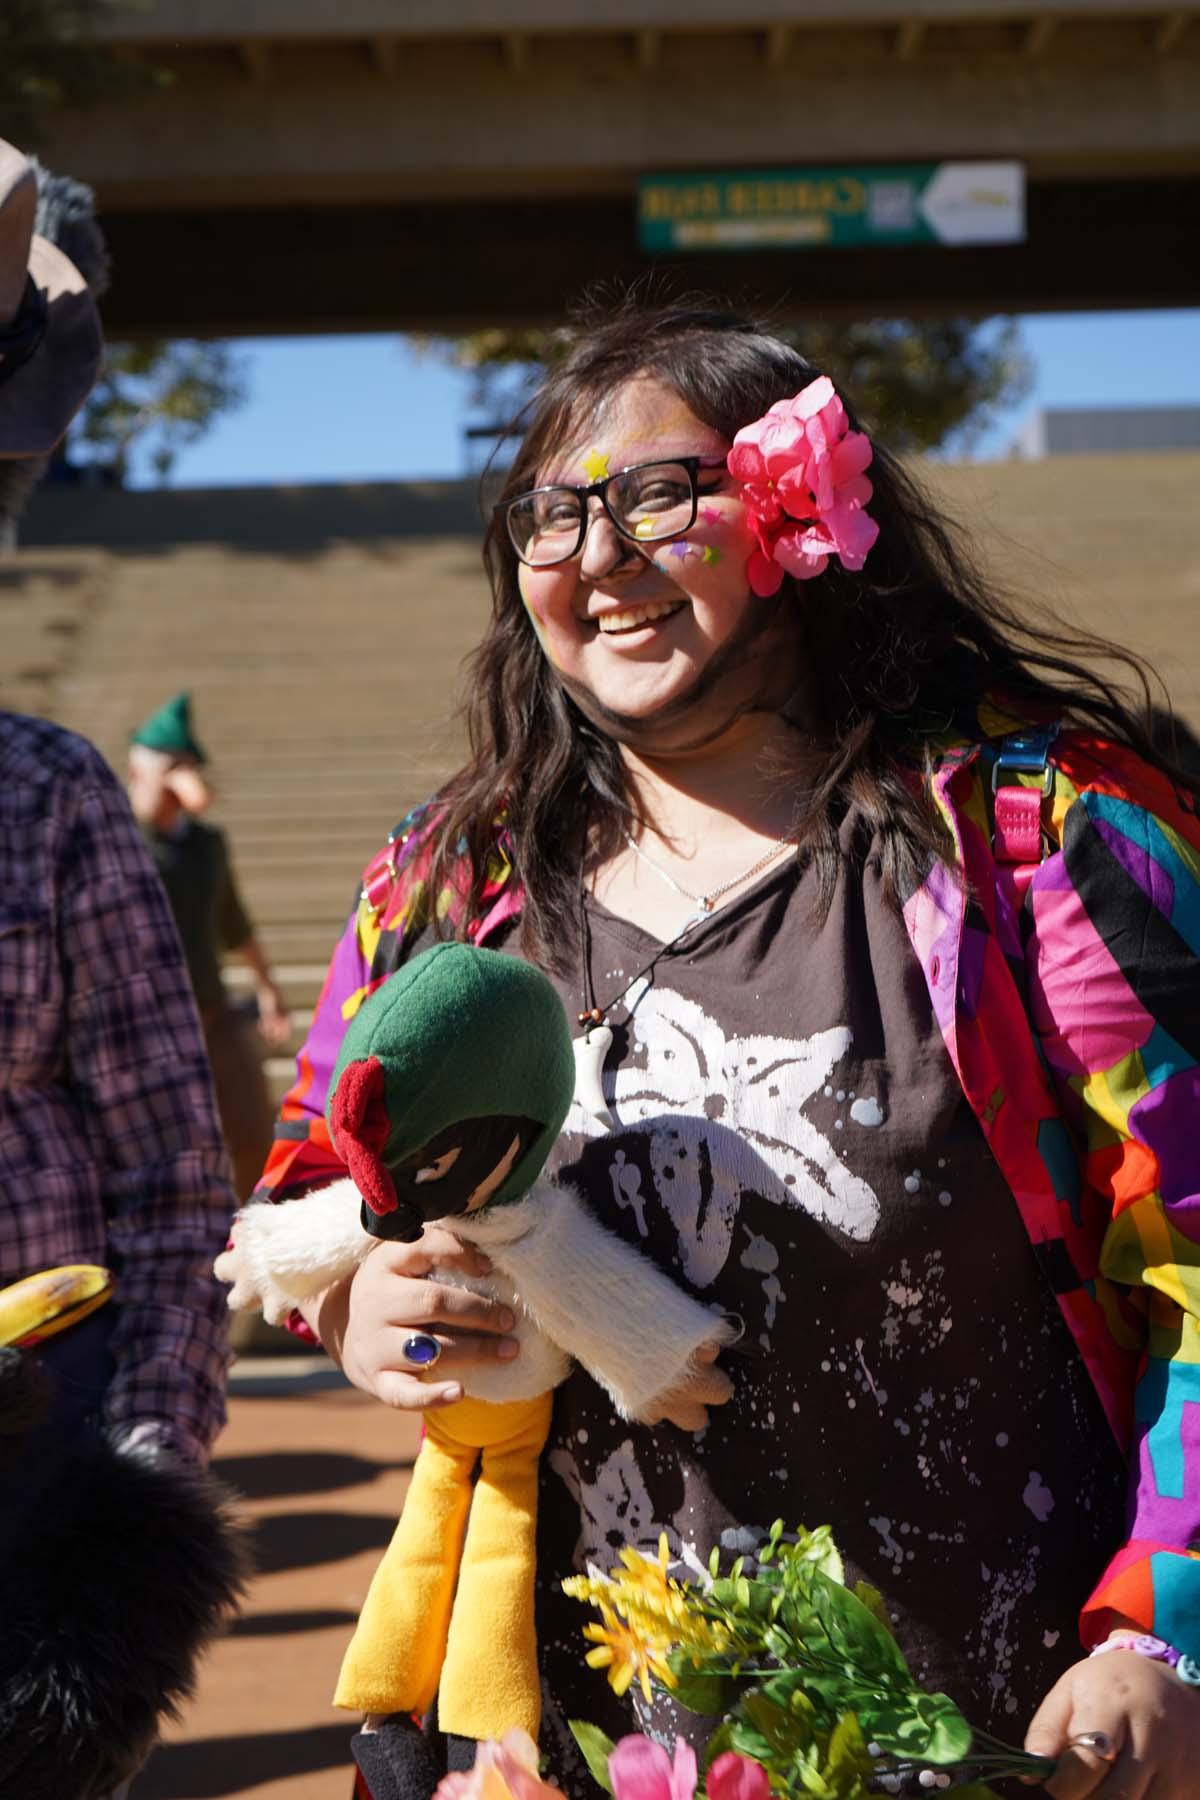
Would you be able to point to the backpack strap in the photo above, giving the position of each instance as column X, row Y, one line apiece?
column 1017, row 834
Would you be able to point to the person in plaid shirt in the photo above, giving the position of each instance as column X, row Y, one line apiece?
column 118, row 1554
column 110, row 1151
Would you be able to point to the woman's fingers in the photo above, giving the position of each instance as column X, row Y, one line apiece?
column 1058, row 1730
column 391, row 1300
column 436, row 1248
column 411, row 1395
column 457, row 1350
column 421, row 1304
column 1082, row 1772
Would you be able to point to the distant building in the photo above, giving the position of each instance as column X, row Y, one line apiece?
column 1066, row 430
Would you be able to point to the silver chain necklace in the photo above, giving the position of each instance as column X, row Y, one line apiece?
column 706, row 902
column 595, row 1039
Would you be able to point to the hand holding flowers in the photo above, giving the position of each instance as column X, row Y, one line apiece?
column 813, row 1691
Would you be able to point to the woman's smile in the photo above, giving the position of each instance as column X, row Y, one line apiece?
column 636, row 625
column 628, row 621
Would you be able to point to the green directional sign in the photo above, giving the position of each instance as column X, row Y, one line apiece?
column 834, row 208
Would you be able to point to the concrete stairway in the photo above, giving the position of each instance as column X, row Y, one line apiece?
column 323, row 686
column 321, row 632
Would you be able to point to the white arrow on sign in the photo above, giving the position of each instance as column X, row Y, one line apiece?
column 976, row 203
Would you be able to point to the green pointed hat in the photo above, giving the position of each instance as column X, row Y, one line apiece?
column 170, row 730
column 457, row 1035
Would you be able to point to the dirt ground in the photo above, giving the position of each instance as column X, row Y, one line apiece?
column 323, row 1470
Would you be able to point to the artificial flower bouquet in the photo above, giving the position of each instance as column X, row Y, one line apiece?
column 813, row 1693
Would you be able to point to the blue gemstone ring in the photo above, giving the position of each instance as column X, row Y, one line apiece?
column 421, row 1350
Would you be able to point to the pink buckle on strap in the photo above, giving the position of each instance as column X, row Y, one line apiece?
column 1018, row 824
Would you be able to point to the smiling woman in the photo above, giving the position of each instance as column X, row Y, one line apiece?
column 813, row 835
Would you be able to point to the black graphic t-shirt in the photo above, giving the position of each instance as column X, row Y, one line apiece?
column 791, row 1143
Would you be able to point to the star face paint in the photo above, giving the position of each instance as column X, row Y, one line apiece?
column 595, row 465
column 637, row 628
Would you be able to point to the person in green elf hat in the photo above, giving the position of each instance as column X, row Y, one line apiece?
column 169, row 792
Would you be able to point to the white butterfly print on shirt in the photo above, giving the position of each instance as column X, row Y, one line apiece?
column 726, row 1116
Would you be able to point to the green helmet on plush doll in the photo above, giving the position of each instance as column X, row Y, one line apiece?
column 452, row 1084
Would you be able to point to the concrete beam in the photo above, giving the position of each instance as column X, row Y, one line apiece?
column 1039, row 35
column 1168, row 30
column 647, row 50
column 182, row 22
column 454, row 267
column 448, row 125
column 909, row 34
column 255, row 57
column 383, row 53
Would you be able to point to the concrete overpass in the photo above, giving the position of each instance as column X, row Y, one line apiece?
column 352, row 164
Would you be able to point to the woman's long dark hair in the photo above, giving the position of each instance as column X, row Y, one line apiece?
column 902, row 652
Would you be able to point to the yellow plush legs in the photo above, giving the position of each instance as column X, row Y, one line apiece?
column 416, row 1635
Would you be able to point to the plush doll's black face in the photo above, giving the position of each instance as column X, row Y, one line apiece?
column 456, row 1172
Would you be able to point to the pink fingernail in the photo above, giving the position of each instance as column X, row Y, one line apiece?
column 507, row 1349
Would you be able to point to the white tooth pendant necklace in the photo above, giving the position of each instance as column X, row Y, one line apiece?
column 590, row 1049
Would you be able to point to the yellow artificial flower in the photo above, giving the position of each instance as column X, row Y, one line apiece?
column 642, row 1575
column 645, row 1616
column 627, row 1655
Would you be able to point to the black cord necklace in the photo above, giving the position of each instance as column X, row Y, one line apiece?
column 595, row 1039
column 592, row 1014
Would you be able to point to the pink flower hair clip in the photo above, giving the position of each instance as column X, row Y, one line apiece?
column 801, row 473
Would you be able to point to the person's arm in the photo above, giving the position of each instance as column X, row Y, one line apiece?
column 274, row 1019
column 136, row 1065
column 236, row 933
column 1114, row 975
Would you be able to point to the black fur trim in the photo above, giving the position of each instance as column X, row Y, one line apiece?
column 116, row 1570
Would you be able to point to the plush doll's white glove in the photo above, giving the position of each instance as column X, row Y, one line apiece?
column 282, row 1254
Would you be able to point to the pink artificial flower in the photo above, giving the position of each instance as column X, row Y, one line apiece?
column 801, row 473
column 734, row 1777
column 504, row 1771
column 641, row 1770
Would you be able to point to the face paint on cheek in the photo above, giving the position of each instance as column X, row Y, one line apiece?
column 709, row 515
column 535, row 618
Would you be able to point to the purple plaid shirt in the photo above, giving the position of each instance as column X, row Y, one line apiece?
column 110, row 1151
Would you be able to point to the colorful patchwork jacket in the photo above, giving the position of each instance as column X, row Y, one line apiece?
column 1094, row 942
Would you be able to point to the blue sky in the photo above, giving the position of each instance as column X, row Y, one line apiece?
column 374, row 408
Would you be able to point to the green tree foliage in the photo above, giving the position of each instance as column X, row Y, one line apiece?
column 162, row 396
column 920, row 384
column 50, row 56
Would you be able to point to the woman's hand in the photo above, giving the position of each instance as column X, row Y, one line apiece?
column 363, row 1322
column 687, row 1405
column 1151, row 1721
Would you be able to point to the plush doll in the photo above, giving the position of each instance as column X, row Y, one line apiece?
column 452, row 1084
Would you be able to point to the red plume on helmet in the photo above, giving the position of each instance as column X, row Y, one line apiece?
column 359, row 1125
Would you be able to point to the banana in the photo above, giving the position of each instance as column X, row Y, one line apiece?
column 49, row 1301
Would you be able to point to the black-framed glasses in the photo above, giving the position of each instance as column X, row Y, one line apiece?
column 648, row 503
